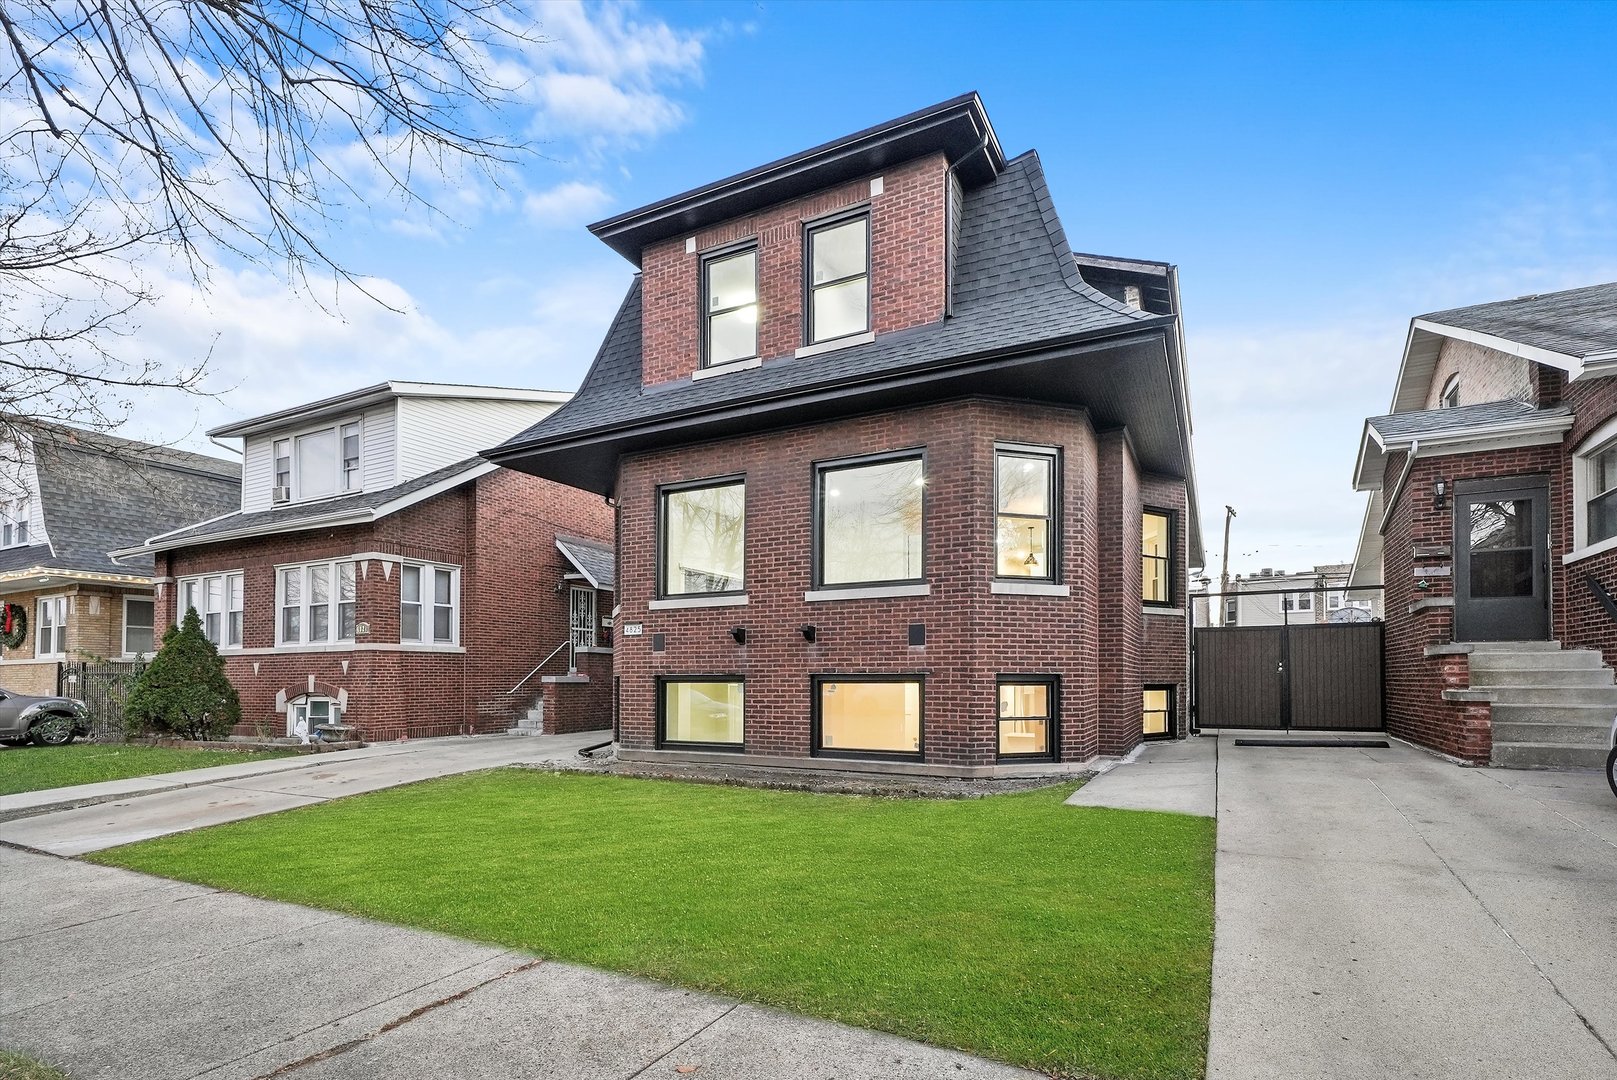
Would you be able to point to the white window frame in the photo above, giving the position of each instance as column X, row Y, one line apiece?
column 1602, row 438
column 58, row 601
column 300, row 706
column 334, row 603
column 14, row 524
column 199, row 582
column 1451, row 389
column 124, row 634
column 427, row 572
column 341, row 476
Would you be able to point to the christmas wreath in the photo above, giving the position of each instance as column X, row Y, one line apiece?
column 13, row 626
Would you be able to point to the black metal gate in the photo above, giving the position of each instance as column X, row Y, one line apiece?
column 1310, row 676
column 103, row 686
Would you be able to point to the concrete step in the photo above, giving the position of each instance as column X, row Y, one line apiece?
column 1485, row 677
column 523, row 731
column 1536, row 661
column 1553, row 695
column 1599, row 716
column 1506, row 731
column 1513, row 646
column 1541, row 755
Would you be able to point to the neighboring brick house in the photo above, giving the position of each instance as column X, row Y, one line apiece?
column 1275, row 598
column 68, row 498
column 377, row 574
column 902, row 483
column 1492, row 519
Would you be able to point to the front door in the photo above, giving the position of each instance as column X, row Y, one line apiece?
column 1501, row 560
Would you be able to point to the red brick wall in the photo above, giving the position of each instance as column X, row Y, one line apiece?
column 972, row 634
column 499, row 529
column 1164, row 646
column 908, row 242
column 1580, row 619
column 1119, row 608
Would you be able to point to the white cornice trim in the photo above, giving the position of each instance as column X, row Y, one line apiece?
column 1570, row 364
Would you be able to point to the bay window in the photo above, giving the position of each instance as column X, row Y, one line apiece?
column 869, row 517
column 701, row 711
column 703, row 538
column 429, row 604
column 730, row 307
column 1024, row 513
column 318, row 603
column 839, row 279
column 867, row 716
column 217, row 599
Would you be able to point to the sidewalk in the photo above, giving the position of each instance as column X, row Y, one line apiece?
column 177, row 802
column 113, row 975
column 1178, row 776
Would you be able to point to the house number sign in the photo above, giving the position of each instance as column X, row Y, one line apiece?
column 633, row 629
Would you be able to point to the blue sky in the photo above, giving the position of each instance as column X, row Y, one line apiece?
column 1320, row 174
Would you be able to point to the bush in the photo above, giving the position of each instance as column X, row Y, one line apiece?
column 184, row 691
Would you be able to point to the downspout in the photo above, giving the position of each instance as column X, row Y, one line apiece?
column 1398, row 488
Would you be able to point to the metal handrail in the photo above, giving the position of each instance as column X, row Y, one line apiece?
column 572, row 665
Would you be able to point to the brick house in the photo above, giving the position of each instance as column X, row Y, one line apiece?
column 67, row 499
column 377, row 574
column 902, row 482
column 1492, row 520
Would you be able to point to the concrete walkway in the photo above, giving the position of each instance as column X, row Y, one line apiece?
column 114, row 975
column 1178, row 777
column 177, row 802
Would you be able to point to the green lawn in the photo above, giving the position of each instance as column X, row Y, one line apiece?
column 14, row 1066
column 1075, row 941
column 34, row 768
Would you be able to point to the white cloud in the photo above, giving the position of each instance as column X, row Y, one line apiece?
column 568, row 204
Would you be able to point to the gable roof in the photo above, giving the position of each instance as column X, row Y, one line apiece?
column 99, row 493
column 595, row 560
column 1465, row 429
column 375, row 395
column 1575, row 323
column 357, row 509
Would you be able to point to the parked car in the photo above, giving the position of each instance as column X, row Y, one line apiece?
column 44, row 721
column 1611, row 759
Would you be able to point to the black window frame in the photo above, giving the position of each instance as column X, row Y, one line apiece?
column 810, row 287
column 1052, row 722
column 1173, row 711
column 663, row 742
column 815, row 729
column 817, row 515
column 663, row 491
column 1172, row 557
column 1053, row 525
column 704, row 316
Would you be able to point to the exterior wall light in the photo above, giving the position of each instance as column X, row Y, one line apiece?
column 1440, row 493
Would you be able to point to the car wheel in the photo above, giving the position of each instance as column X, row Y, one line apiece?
column 52, row 731
column 1611, row 769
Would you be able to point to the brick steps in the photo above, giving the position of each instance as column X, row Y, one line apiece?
column 1552, row 707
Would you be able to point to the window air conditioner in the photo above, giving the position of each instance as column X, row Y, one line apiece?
column 281, row 494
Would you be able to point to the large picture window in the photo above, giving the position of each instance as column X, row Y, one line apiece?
column 1026, row 717
column 862, row 717
column 702, row 711
column 870, row 521
column 317, row 603
column 839, row 279
column 217, row 599
column 1156, row 557
column 730, row 307
column 1025, row 499
column 429, row 604
column 704, row 533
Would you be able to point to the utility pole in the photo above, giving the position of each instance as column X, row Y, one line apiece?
column 1224, row 576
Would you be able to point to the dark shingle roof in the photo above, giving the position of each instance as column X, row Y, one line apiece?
column 1577, row 322
column 99, row 493
column 303, row 515
column 592, row 558
column 1016, row 287
column 1416, row 425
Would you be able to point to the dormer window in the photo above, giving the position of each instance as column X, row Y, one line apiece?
column 1450, row 398
column 319, row 463
column 730, row 307
column 839, row 278
column 14, row 524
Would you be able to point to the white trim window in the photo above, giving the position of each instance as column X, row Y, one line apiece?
column 429, row 604
column 140, row 620
column 1594, row 492
column 320, row 462
column 14, row 524
column 218, row 602
column 50, row 629
column 312, row 711
column 316, row 603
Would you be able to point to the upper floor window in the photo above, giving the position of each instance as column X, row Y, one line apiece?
column 704, row 533
column 1297, row 602
column 317, row 603
column 429, row 604
column 1450, row 398
column 217, row 599
column 838, row 279
column 1025, row 500
column 1156, row 557
column 870, row 517
column 730, row 307
column 14, row 523
column 318, row 463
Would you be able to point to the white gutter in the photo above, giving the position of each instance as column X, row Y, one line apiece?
column 1398, row 488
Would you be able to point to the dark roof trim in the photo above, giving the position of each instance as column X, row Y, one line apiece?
column 958, row 127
